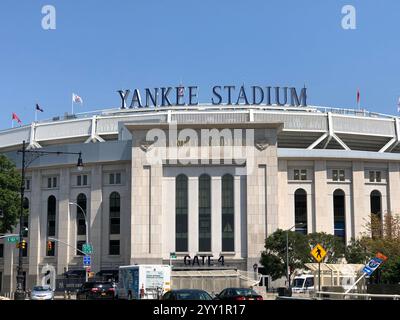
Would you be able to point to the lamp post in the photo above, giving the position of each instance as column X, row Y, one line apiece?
column 86, row 227
column 287, row 251
column 20, row 292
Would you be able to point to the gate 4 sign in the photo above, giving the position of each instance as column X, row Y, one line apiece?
column 318, row 252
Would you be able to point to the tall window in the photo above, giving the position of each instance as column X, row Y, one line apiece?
column 376, row 213
column 80, row 216
column 115, row 213
column 204, row 213
column 181, row 220
column 114, row 247
column 339, row 214
column 228, row 216
column 300, row 211
column 1, row 250
column 79, row 246
column 51, row 216
column 26, row 218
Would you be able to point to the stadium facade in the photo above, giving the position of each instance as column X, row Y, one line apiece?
column 206, row 182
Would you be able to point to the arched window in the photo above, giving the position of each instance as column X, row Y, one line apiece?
column 80, row 216
column 26, row 217
column 51, row 216
column 339, row 214
column 115, row 213
column 204, row 213
column 228, row 214
column 376, row 213
column 181, row 212
column 300, row 211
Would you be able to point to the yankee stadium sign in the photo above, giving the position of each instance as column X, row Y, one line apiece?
column 188, row 96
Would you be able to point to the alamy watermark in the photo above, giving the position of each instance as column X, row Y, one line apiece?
column 49, row 19
column 188, row 146
column 349, row 20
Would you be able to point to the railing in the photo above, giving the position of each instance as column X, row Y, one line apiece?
column 210, row 107
column 326, row 295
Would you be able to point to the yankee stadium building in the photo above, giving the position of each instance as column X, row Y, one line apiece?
column 167, row 179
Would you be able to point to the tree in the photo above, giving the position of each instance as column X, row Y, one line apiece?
column 274, row 256
column 10, row 183
column 382, row 235
column 333, row 245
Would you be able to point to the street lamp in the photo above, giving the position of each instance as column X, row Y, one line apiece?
column 86, row 226
column 86, row 221
column 20, row 292
column 287, row 251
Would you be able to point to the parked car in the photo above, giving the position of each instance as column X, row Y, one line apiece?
column 75, row 274
column 42, row 293
column 96, row 290
column 186, row 294
column 238, row 294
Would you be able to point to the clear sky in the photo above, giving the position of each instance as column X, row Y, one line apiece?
column 99, row 47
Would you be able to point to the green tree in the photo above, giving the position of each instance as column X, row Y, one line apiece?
column 382, row 235
column 333, row 245
column 357, row 252
column 274, row 256
column 10, row 183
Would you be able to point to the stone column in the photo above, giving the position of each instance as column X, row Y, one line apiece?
column 36, row 218
column 146, row 209
column 95, row 213
column 323, row 220
column 9, row 274
column 360, row 212
column 193, row 223
column 63, row 222
column 286, row 218
column 394, row 188
column 216, row 216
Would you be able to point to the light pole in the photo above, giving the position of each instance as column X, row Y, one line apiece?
column 87, row 230
column 287, row 251
column 20, row 292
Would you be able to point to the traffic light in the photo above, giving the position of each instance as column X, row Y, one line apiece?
column 17, row 245
column 23, row 244
column 49, row 245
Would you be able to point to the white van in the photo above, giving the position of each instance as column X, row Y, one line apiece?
column 303, row 283
column 143, row 281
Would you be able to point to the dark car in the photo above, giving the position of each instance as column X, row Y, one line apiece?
column 186, row 294
column 96, row 290
column 238, row 294
column 75, row 274
column 107, row 275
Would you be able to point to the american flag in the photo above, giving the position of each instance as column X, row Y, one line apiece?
column 76, row 98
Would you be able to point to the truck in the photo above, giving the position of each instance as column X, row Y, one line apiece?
column 143, row 281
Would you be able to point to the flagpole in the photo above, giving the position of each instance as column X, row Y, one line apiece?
column 35, row 114
column 12, row 123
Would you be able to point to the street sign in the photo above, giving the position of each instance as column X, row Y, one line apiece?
column 13, row 239
column 86, row 260
column 318, row 252
column 87, row 248
column 172, row 255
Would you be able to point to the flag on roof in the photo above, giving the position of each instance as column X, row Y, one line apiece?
column 15, row 117
column 76, row 98
column 38, row 108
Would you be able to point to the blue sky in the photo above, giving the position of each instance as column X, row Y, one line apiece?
column 99, row 47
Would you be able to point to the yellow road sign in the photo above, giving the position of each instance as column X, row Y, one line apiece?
column 318, row 252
